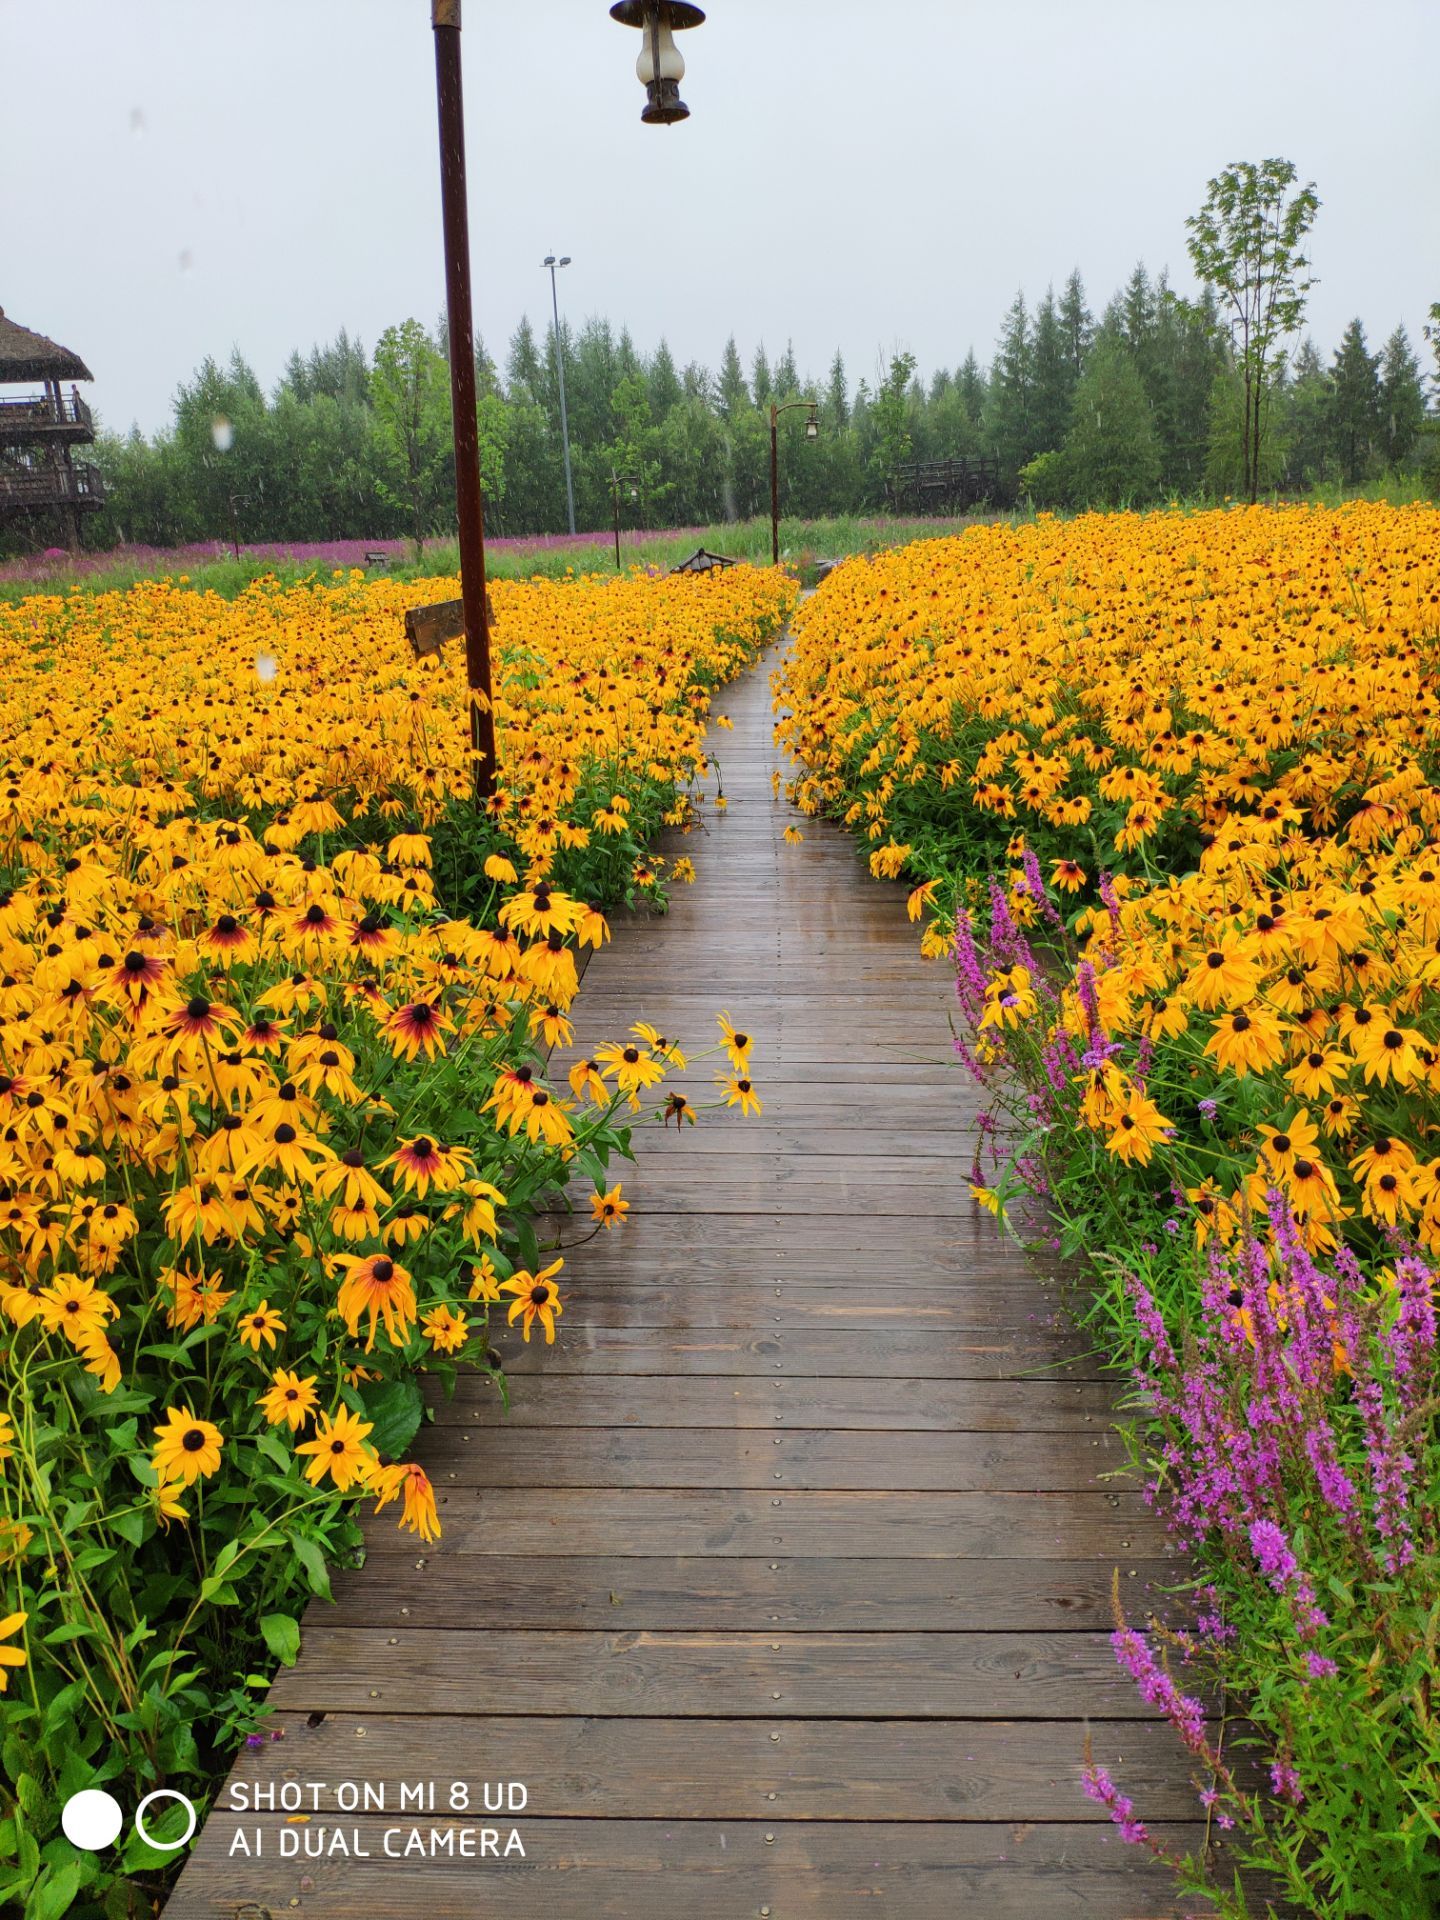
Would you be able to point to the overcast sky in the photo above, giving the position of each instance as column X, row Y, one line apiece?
column 178, row 177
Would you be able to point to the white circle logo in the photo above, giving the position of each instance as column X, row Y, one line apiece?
column 91, row 1820
column 165, row 1846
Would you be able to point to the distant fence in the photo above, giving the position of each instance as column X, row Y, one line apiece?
column 946, row 486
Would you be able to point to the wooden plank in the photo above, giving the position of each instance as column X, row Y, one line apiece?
column 646, row 1521
column 564, row 1589
column 816, row 1354
column 935, row 1406
column 707, row 1870
column 506, row 1456
column 890, row 1676
column 609, row 1299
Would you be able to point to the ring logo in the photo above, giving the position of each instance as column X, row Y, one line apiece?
column 93, row 1820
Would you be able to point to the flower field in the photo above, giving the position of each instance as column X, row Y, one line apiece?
column 275, row 1001
column 1168, row 788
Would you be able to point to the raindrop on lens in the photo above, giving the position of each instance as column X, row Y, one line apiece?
column 137, row 122
column 186, row 260
column 222, row 433
column 265, row 667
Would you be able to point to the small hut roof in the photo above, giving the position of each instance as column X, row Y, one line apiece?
column 30, row 356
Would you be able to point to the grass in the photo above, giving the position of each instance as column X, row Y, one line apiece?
column 804, row 544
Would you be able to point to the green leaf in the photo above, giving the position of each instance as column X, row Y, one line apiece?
column 54, row 1893
column 396, row 1407
column 308, row 1553
column 130, row 1526
column 282, row 1636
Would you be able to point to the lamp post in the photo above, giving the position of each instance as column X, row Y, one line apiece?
column 552, row 263
column 812, row 432
column 661, row 66
column 618, row 480
column 664, row 67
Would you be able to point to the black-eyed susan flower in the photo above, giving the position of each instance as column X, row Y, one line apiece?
column 410, row 1482
column 423, row 1163
column 75, row 1307
column 536, row 1297
column 185, row 1448
column 484, row 1281
column 631, row 1067
column 608, row 1209
column 289, row 1399
column 739, row 1091
column 379, row 1289
column 338, row 1451
column 586, row 1083
column 259, row 1326
column 446, row 1330
column 418, row 1027
column 1137, row 1128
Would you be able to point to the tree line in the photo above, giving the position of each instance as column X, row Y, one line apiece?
column 1154, row 396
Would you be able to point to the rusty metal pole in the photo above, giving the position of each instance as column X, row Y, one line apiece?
column 615, row 494
column 445, row 20
column 774, row 488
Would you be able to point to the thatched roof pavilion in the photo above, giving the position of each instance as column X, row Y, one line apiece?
column 37, row 431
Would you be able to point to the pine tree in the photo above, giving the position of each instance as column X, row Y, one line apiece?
column 1402, row 400
column 1076, row 322
column 733, row 392
column 665, row 389
column 1355, row 405
column 761, row 384
column 522, row 363
column 1055, row 376
column 971, row 384
column 1111, row 453
column 1009, row 419
column 787, row 377
column 837, row 398
column 1308, row 458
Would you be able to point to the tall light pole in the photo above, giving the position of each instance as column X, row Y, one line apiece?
column 552, row 263
column 812, row 432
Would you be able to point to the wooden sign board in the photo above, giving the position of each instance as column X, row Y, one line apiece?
column 428, row 628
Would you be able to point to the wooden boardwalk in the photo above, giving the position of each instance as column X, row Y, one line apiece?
column 784, row 1589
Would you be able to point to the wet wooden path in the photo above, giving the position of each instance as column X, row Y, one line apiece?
column 784, row 1589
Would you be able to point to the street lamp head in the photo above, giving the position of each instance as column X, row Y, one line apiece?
column 812, row 423
column 548, row 261
column 661, row 66
column 564, row 260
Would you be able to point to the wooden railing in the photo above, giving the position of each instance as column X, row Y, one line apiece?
column 928, row 486
column 37, row 413
column 51, row 487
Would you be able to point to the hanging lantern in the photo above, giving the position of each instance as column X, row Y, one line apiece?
column 660, row 66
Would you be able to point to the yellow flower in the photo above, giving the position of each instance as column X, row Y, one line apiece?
column 447, row 1332
column 339, row 1451
column 739, row 1091
column 289, row 1399
column 608, row 1209
column 260, row 1324
column 418, row 1512
column 536, row 1298
column 11, row 1656
column 185, row 1448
